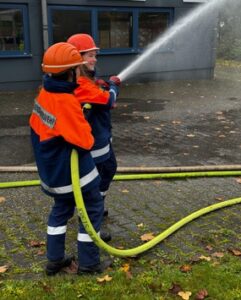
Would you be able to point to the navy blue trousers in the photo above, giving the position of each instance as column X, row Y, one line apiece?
column 62, row 210
column 107, row 170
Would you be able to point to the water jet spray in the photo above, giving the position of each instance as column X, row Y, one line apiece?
column 171, row 33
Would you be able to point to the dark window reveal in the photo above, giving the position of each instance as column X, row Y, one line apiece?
column 115, row 30
column 68, row 22
column 151, row 25
column 11, row 30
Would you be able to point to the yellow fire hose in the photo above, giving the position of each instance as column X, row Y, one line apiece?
column 134, row 251
column 137, row 250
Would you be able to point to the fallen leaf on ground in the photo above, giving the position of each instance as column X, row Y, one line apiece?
column 176, row 122
column 72, row 269
column 219, row 198
column 2, row 199
column 209, row 247
column 156, row 182
column 120, row 247
column 125, row 268
column 235, row 252
column 221, row 118
column 47, row 288
column 190, row 135
column 202, row 294
column 218, row 254
column 3, row 269
column 184, row 295
column 140, row 225
column 40, row 252
column 106, row 278
column 195, row 259
column 36, row 243
column 207, row 258
column 175, row 289
column 147, row 237
column 125, row 191
column 238, row 180
column 185, row 268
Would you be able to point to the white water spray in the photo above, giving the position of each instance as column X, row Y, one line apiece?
column 180, row 26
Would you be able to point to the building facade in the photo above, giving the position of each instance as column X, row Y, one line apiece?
column 122, row 30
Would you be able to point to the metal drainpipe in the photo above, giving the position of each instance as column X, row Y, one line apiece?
column 45, row 24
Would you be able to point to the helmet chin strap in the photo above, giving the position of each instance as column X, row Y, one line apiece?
column 73, row 73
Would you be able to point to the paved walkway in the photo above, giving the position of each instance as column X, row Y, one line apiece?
column 159, row 124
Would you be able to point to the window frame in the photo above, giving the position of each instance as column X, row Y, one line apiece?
column 18, row 53
column 135, row 11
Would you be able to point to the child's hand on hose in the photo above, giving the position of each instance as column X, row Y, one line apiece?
column 114, row 79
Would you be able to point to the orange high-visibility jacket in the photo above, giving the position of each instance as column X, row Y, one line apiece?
column 89, row 92
column 99, row 115
column 58, row 125
column 66, row 114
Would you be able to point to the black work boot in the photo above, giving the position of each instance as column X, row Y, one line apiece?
column 53, row 267
column 106, row 213
column 98, row 268
column 105, row 236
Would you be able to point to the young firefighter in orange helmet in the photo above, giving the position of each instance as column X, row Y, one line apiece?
column 58, row 126
column 101, row 96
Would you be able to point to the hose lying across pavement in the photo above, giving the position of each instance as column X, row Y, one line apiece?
column 145, row 170
column 137, row 250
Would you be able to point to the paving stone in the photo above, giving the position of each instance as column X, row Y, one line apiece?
column 151, row 127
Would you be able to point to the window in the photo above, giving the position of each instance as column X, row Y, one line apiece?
column 151, row 25
column 13, row 30
column 68, row 22
column 115, row 29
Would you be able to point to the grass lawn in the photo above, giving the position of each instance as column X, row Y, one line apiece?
column 215, row 277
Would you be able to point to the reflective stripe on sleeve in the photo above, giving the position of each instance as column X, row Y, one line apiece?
column 47, row 118
column 103, row 193
column 100, row 152
column 113, row 91
column 56, row 230
column 84, row 237
column 68, row 188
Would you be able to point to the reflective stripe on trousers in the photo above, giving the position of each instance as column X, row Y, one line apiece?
column 68, row 188
column 84, row 237
column 100, row 152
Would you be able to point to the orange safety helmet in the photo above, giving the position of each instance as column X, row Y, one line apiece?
column 83, row 42
column 61, row 57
